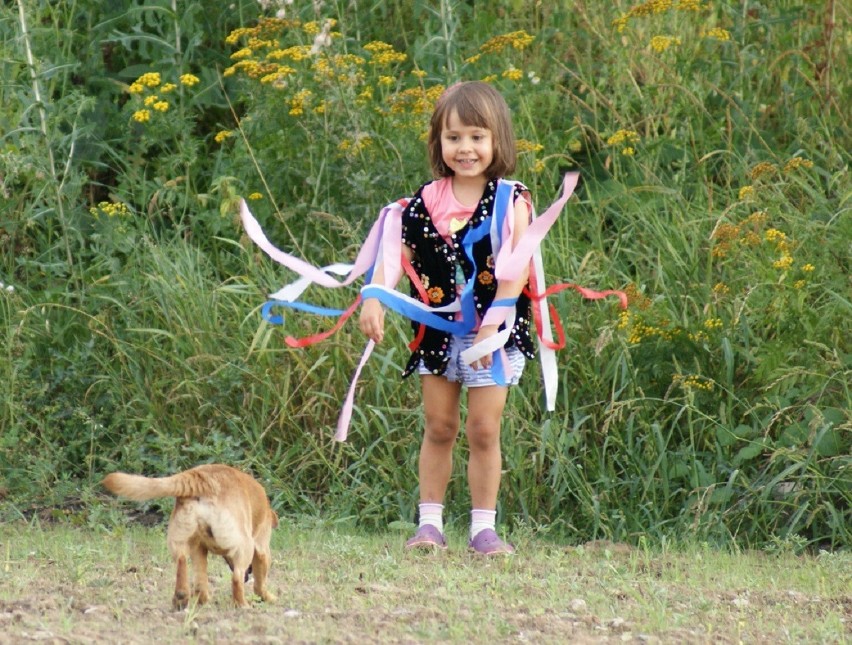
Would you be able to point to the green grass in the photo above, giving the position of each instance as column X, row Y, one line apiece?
column 336, row 583
column 715, row 190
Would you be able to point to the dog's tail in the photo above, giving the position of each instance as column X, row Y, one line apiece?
column 191, row 483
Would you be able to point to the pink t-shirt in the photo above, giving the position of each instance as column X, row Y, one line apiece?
column 443, row 207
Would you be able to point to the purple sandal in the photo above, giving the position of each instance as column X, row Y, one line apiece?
column 487, row 542
column 426, row 537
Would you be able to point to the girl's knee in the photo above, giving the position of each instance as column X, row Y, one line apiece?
column 482, row 434
column 441, row 431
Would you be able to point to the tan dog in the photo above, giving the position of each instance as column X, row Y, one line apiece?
column 219, row 510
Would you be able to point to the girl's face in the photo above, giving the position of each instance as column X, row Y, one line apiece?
column 467, row 150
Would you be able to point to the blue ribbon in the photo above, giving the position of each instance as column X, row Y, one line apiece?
column 300, row 306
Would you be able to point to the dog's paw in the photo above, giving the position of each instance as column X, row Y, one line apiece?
column 180, row 601
column 267, row 596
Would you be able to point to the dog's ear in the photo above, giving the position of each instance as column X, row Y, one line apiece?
column 274, row 518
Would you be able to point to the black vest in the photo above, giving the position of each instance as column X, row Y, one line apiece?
column 435, row 262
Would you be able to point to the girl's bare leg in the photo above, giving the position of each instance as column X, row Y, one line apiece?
column 441, row 405
column 485, row 411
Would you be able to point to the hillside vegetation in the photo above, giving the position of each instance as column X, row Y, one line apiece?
column 713, row 143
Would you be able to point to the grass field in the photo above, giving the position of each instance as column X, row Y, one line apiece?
column 75, row 585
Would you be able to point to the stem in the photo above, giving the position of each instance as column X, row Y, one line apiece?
column 42, row 113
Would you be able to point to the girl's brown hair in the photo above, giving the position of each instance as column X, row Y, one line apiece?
column 480, row 105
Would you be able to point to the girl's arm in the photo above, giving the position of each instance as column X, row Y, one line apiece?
column 505, row 288
column 372, row 319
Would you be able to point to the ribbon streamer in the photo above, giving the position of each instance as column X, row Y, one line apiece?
column 383, row 247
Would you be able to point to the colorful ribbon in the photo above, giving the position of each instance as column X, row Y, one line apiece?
column 383, row 246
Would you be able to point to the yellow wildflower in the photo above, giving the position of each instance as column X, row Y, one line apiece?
column 519, row 40
column 311, row 28
column 245, row 52
column 150, row 100
column 689, row 5
column 513, row 74
column 386, row 80
column 757, row 218
column 721, row 289
column 490, row 78
column 473, row 59
column 713, row 323
column 365, row 96
column 149, row 79
column 784, row 262
column 719, row 34
column 419, row 73
column 751, row 239
column 142, row 116
column 746, row 193
column 623, row 136
column 111, row 209
column 774, row 235
column 762, row 169
column 189, row 80
column 538, row 166
column 693, row 382
column 798, row 284
column 161, row 106
column 661, row 43
column 299, row 102
column 807, row 268
column 726, row 232
column 383, row 53
column 136, row 88
column 797, row 162
column 629, row 151
column 255, row 196
column 523, row 145
column 222, row 135
column 168, row 87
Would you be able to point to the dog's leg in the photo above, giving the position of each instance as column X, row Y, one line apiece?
column 181, row 597
column 260, row 568
column 201, row 583
column 240, row 561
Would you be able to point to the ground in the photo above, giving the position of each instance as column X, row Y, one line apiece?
column 82, row 585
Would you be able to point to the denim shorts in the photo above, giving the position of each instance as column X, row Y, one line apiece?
column 458, row 372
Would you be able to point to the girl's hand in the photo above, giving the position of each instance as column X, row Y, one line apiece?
column 372, row 320
column 484, row 333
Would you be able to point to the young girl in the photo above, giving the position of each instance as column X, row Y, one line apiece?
column 471, row 145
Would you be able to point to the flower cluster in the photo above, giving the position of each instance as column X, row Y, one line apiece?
column 518, row 40
column 355, row 145
column 797, row 162
column 110, row 209
column 383, row 53
column 692, row 382
column 718, row 34
column 746, row 193
column 762, row 169
column 149, row 87
column 653, row 7
column 626, row 139
column 661, row 43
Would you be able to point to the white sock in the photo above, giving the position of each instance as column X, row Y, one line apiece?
column 480, row 519
column 431, row 513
